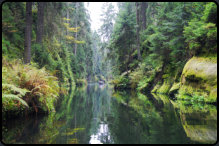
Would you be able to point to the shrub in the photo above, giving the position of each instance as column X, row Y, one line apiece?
column 121, row 82
column 135, row 77
column 26, row 85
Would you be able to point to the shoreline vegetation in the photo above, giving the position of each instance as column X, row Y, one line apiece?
column 197, row 83
column 26, row 88
column 173, row 52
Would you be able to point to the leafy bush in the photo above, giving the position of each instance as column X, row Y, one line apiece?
column 43, row 57
column 121, row 82
column 135, row 77
column 210, row 13
column 201, row 35
column 12, row 97
column 26, row 85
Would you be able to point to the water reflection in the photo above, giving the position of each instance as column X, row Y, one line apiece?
column 150, row 121
column 164, row 121
column 96, row 114
column 199, row 122
column 101, row 100
column 102, row 135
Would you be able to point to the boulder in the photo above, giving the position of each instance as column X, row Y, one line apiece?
column 199, row 77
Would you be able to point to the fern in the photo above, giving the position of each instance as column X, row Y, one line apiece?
column 20, row 79
column 12, row 88
column 14, row 97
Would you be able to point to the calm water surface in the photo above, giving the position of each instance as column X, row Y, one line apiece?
column 97, row 114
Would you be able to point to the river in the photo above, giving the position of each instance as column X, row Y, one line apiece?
column 97, row 114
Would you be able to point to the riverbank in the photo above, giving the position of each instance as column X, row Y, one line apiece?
column 197, row 81
column 27, row 89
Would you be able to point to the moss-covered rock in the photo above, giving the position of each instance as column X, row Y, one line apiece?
column 156, row 87
column 165, row 87
column 145, row 82
column 199, row 77
column 174, row 88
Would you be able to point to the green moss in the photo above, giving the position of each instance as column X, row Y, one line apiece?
column 189, row 92
column 162, row 99
column 165, row 76
column 174, row 88
column 213, row 95
column 199, row 78
column 201, row 68
column 165, row 87
column 156, row 87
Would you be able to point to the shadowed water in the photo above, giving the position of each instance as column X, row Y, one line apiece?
column 96, row 114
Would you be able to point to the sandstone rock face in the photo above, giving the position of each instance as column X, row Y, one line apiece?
column 199, row 76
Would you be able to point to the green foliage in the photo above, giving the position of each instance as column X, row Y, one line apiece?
column 10, row 94
column 156, row 87
column 107, row 18
column 189, row 92
column 210, row 13
column 136, row 76
column 165, row 87
column 142, row 84
column 175, row 87
column 123, row 37
column 195, row 35
column 174, row 33
column 43, row 57
column 11, row 88
column 193, row 100
column 29, row 86
column 5, row 45
column 55, row 53
column 121, row 82
column 12, row 29
column 197, row 98
column 201, row 34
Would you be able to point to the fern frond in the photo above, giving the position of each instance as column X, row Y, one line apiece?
column 13, row 88
column 38, row 94
column 15, row 97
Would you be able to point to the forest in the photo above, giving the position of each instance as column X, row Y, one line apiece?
column 49, row 50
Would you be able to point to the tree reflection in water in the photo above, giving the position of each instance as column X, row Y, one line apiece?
column 94, row 114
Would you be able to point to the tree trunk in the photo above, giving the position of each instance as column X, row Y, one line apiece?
column 144, row 6
column 67, row 16
column 28, row 30
column 138, row 29
column 76, row 25
column 40, row 22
